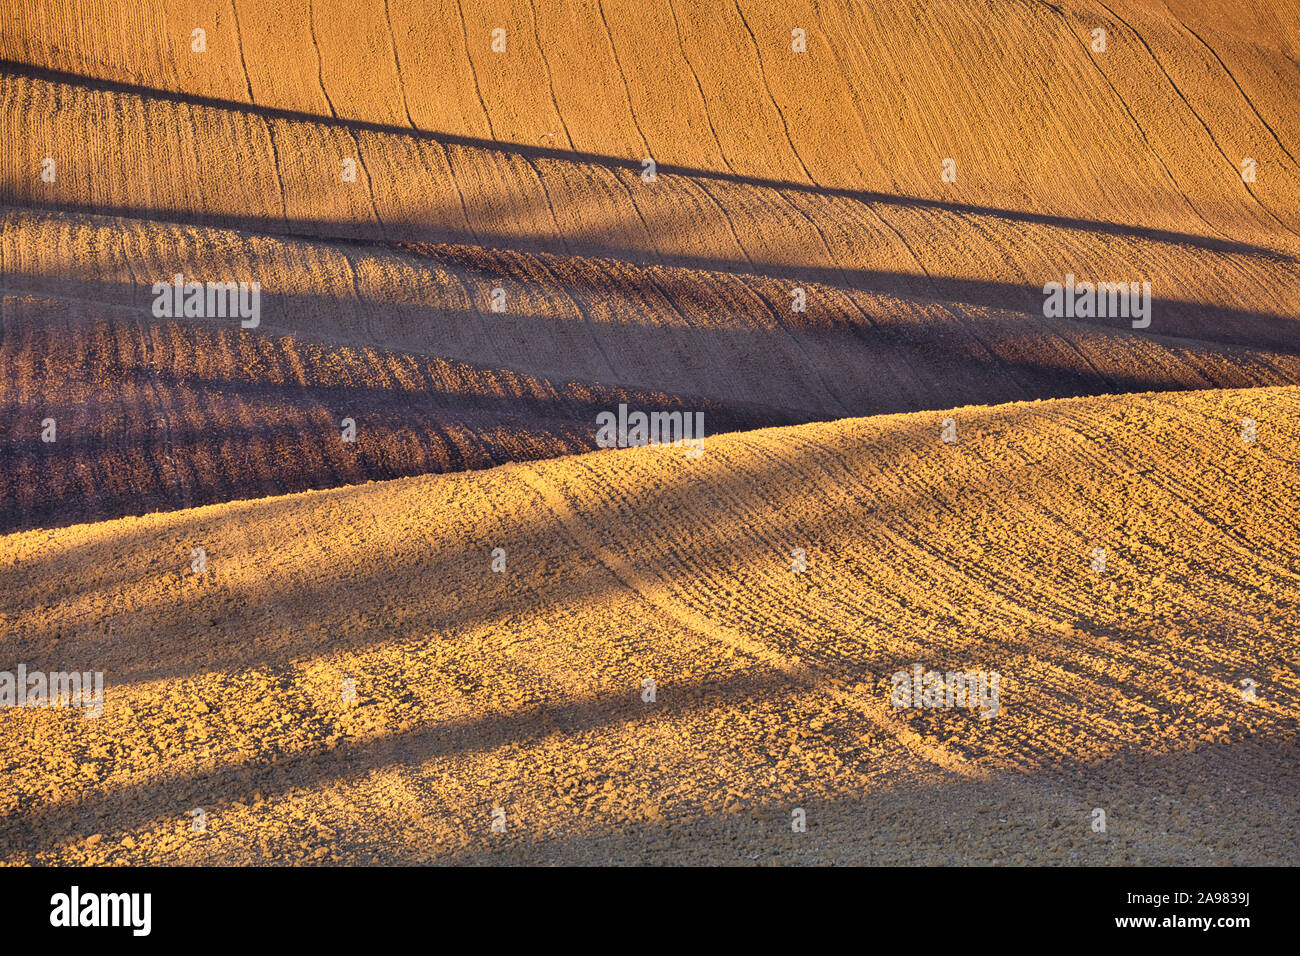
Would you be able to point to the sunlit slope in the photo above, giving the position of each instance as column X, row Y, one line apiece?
column 523, row 689
column 146, row 155
column 1118, row 164
column 154, row 413
column 1037, row 119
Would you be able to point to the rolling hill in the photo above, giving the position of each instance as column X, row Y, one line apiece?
column 525, row 688
column 358, row 575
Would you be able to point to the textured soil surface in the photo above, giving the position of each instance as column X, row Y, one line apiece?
column 470, row 245
column 524, row 688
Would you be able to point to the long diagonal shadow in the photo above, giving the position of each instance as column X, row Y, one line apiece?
column 137, row 805
column 544, row 152
column 398, row 394
column 1172, row 318
column 139, row 643
column 895, row 824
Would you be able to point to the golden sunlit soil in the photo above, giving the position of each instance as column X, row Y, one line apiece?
column 776, row 173
column 524, row 689
column 476, row 225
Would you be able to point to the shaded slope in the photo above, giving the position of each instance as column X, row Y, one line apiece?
column 159, row 413
column 777, row 172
